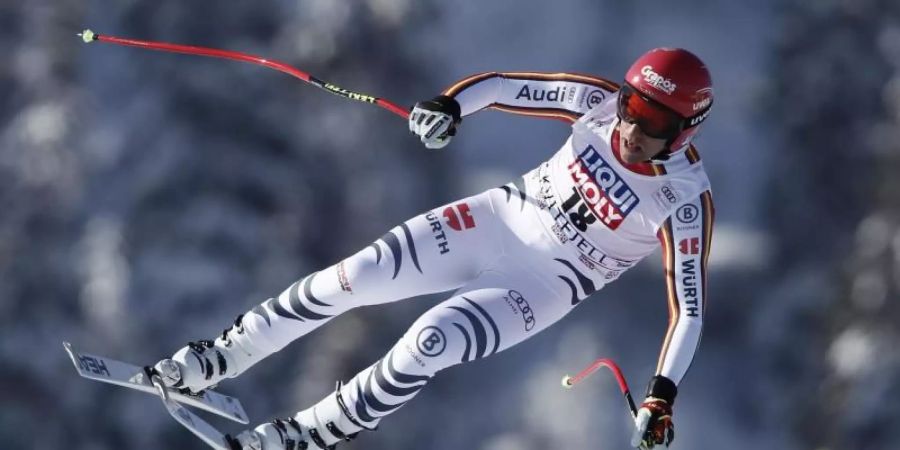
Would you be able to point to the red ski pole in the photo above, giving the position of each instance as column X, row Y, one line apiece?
column 89, row 36
column 569, row 382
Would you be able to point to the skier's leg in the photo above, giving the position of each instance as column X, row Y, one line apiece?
column 496, row 314
column 433, row 252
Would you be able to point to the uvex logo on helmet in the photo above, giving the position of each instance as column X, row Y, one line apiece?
column 702, row 104
column 658, row 81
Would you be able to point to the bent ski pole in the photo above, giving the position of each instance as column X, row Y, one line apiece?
column 569, row 382
column 89, row 36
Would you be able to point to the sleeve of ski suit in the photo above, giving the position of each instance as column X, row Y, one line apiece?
column 561, row 96
column 685, row 237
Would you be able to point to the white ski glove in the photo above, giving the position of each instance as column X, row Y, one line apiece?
column 435, row 121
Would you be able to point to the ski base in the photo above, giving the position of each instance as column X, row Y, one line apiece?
column 203, row 430
column 131, row 376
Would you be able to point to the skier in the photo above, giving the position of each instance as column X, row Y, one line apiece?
column 519, row 257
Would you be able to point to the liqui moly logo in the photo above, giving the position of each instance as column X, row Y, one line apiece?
column 658, row 81
column 606, row 193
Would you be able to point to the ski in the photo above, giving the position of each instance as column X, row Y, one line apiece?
column 131, row 376
column 206, row 432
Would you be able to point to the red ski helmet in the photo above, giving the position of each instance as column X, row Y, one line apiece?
column 668, row 92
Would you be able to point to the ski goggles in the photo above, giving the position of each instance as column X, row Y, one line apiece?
column 654, row 119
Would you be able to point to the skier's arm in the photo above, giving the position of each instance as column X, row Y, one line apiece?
column 685, row 238
column 562, row 96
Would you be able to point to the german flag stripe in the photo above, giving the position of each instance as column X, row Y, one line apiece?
column 708, row 218
column 668, row 246
column 692, row 155
column 658, row 169
column 551, row 113
column 466, row 82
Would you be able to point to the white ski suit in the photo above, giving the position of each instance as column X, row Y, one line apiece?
column 520, row 256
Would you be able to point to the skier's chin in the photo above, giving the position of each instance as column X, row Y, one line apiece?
column 631, row 153
column 634, row 156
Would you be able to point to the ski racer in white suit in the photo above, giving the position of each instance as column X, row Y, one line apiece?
column 519, row 257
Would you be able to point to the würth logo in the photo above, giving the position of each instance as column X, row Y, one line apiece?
column 690, row 286
column 454, row 213
column 689, row 246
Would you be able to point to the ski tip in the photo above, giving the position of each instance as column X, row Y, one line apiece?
column 88, row 36
column 567, row 382
column 72, row 355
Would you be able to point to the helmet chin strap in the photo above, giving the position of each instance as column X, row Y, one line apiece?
column 663, row 154
column 692, row 122
column 667, row 151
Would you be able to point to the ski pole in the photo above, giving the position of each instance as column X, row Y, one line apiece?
column 568, row 382
column 89, row 36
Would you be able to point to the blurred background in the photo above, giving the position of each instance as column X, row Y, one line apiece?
column 147, row 198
